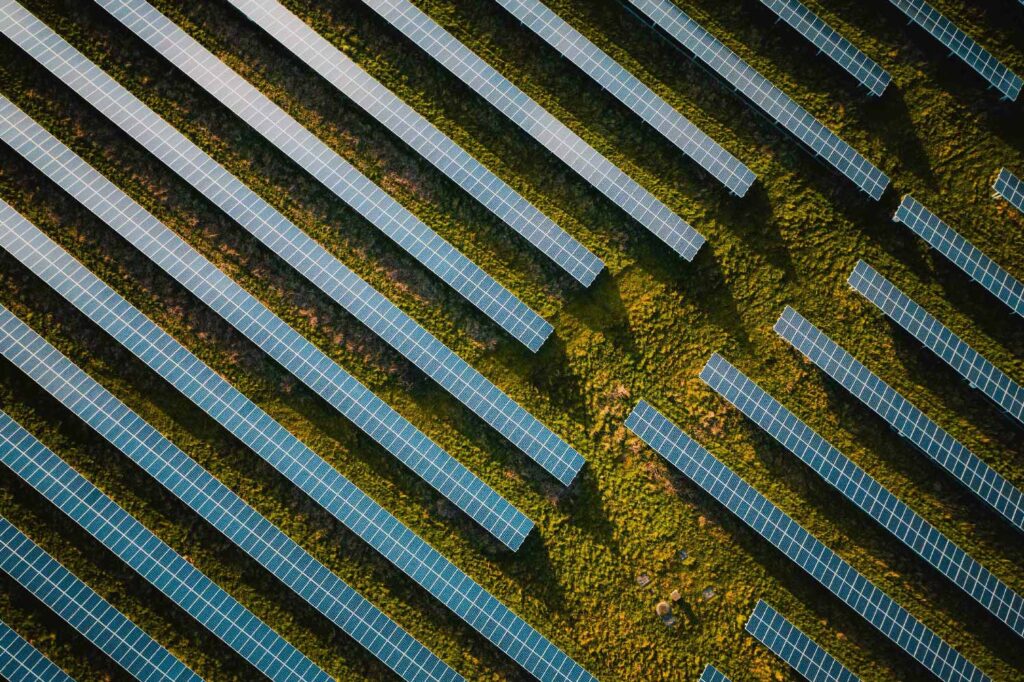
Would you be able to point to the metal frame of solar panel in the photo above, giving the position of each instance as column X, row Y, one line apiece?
column 1010, row 187
column 961, row 253
column 790, row 644
column 806, row 551
column 902, row 416
column 151, row 558
column 537, row 122
column 331, row 170
column 19, row 660
column 779, row 107
column 293, row 245
column 629, row 90
column 712, row 674
column 962, row 45
column 87, row 612
column 936, row 337
column 866, row 493
column 831, row 43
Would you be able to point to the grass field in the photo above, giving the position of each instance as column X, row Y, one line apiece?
column 643, row 330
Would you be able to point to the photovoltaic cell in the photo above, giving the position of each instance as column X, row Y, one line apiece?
column 831, row 43
column 541, row 125
column 85, row 611
column 961, row 253
column 866, row 493
column 1010, row 187
column 786, row 535
column 339, row 176
column 936, row 337
column 961, row 45
column 776, row 104
column 787, row 642
column 628, row 89
column 713, row 674
column 19, row 660
column 902, row 416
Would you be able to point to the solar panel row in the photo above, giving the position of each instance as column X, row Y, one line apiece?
column 19, row 660
column 831, row 43
column 628, row 89
column 961, row 45
column 541, row 125
column 961, row 253
column 323, row 163
column 821, row 563
column 787, row 642
column 712, row 674
column 87, row 612
column 936, row 337
column 776, row 104
column 147, row 555
column 1010, row 187
column 903, row 416
column 866, row 493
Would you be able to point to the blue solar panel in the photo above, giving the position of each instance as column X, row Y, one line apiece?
column 831, row 43
column 713, row 674
column 21, row 661
column 269, row 332
column 786, row 535
column 787, row 642
column 902, row 416
column 85, row 611
column 541, row 125
column 147, row 555
column 961, row 45
column 936, row 337
column 292, row 244
column 323, row 163
column 825, row 144
column 1010, row 187
column 628, row 89
column 866, row 493
column 961, row 253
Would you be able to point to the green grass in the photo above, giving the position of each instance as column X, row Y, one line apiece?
column 644, row 329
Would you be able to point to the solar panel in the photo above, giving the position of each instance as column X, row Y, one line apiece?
column 712, row 674
column 901, row 415
column 787, row 642
column 304, row 360
column 85, row 611
column 806, row 551
column 628, row 89
column 831, row 43
column 1010, row 187
column 961, row 253
column 537, row 122
column 866, row 493
column 147, row 555
column 293, row 245
column 19, row 660
column 936, row 337
column 776, row 104
column 961, row 45
column 336, row 174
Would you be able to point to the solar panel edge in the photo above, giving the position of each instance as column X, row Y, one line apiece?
column 1009, row 187
column 17, row 654
column 712, row 674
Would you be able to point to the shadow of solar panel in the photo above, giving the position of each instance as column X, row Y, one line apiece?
column 85, row 611
column 713, row 674
column 801, row 652
column 936, row 337
column 19, row 660
column 625, row 192
column 903, row 416
column 778, row 106
column 625, row 87
column 961, row 45
column 831, row 44
column 1010, row 187
column 806, row 551
column 961, row 253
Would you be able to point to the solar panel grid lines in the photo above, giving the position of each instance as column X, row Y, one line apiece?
column 961, row 253
column 87, row 612
column 778, row 106
column 787, row 642
column 962, row 45
column 936, row 337
column 331, row 170
column 21, row 661
column 806, row 551
column 712, row 674
column 1010, row 187
column 536, row 121
column 628, row 89
column 903, row 416
column 866, row 493
column 831, row 43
